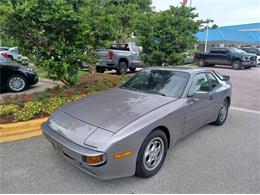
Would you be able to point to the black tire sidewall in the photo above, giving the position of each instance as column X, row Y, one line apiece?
column 236, row 68
column 120, row 69
column 201, row 59
column 132, row 69
column 17, row 75
column 100, row 69
column 141, row 171
column 218, row 122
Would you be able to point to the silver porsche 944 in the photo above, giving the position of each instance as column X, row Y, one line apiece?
column 128, row 130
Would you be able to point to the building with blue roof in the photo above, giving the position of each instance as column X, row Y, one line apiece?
column 230, row 36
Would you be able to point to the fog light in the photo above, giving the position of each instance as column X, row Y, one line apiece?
column 94, row 160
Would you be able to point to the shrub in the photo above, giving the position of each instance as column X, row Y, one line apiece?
column 53, row 104
column 7, row 109
column 34, row 107
column 76, row 97
column 23, row 115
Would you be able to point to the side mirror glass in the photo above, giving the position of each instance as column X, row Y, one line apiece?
column 201, row 95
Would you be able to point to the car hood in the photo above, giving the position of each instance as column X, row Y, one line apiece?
column 113, row 109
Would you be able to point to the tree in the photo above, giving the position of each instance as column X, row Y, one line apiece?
column 6, row 8
column 126, row 14
column 53, row 31
column 165, row 35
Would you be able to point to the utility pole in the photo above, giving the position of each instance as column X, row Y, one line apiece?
column 190, row 3
column 206, row 38
column 207, row 34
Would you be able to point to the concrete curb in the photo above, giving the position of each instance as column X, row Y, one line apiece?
column 21, row 130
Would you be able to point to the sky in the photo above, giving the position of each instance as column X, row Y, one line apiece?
column 223, row 12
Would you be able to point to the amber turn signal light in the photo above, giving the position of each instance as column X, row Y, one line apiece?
column 94, row 159
column 123, row 154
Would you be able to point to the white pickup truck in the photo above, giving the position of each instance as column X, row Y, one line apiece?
column 119, row 57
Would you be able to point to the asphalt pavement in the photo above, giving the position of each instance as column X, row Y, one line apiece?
column 223, row 159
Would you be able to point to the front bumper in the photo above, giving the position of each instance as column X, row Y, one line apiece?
column 32, row 78
column 74, row 153
column 248, row 63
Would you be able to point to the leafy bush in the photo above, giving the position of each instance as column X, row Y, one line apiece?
column 23, row 115
column 77, row 97
column 34, row 107
column 7, row 109
column 53, row 104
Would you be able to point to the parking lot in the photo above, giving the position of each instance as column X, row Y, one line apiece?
column 214, row 159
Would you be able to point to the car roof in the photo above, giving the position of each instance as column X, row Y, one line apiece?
column 190, row 70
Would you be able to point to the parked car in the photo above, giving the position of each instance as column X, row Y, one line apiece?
column 4, row 48
column 189, row 58
column 236, row 58
column 128, row 130
column 3, row 57
column 253, row 50
column 16, row 78
column 119, row 57
column 13, row 55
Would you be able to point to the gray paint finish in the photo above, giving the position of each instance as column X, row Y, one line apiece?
column 118, row 120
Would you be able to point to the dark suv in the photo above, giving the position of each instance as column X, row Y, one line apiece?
column 234, row 57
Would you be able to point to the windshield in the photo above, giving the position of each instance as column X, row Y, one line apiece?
column 161, row 82
column 235, row 50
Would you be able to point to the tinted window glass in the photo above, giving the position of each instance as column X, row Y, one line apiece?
column 161, row 82
column 200, row 83
column 213, row 80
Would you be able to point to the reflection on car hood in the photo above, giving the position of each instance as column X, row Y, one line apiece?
column 115, row 108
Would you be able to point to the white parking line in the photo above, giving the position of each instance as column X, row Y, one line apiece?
column 245, row 110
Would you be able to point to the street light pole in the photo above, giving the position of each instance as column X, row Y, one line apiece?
column 206, row 38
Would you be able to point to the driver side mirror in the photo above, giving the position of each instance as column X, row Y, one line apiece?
column 201, row 95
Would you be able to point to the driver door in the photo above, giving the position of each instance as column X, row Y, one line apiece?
column 196, row 110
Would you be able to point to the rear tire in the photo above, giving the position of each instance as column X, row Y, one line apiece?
column 201, row 62
column 222, row 115
column 122, row 68
column 100, row 69
column 151, row 155
column 236, row 65
column 132, row 69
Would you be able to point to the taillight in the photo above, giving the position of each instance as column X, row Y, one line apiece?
column 110, row 55
column 5, row 55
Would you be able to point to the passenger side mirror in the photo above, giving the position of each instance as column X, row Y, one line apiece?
column 201, row 95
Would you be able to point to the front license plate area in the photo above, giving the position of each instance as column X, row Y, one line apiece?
column 57, row 147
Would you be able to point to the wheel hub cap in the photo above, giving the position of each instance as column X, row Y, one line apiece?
column 223, row 111
column 16, row 83
column 153, row 153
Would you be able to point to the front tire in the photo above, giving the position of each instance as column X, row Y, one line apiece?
column 16, row 83
column 152, row 154
column 222, row 115
column 236, row 65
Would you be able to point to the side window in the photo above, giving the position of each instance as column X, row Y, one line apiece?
column 200, row 83
column 214, row 82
